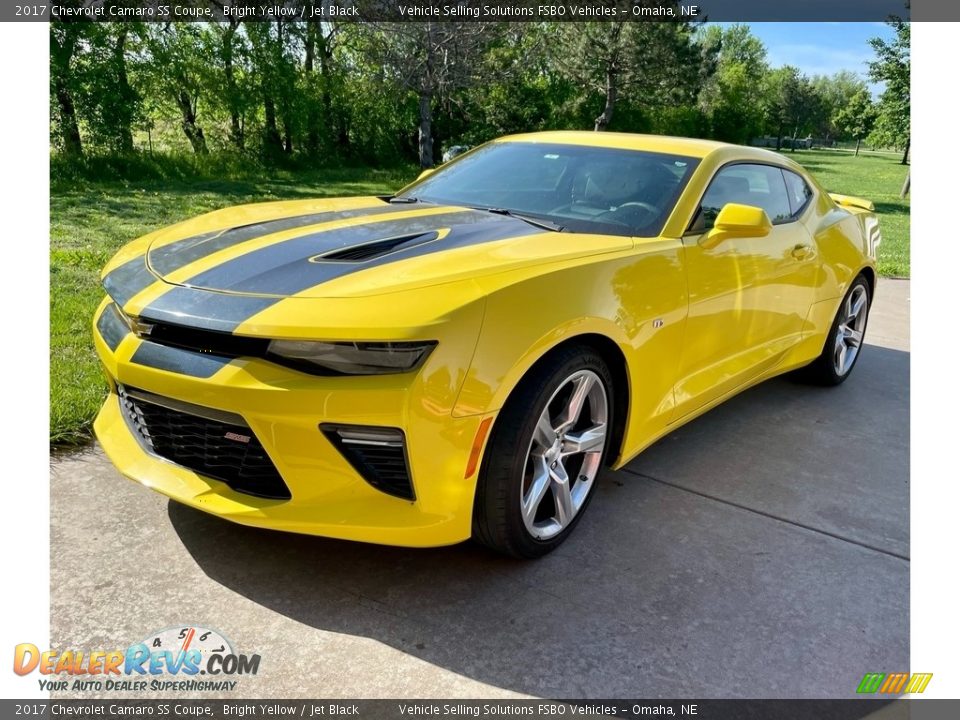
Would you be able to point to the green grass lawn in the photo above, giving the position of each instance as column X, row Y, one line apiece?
column 877, row 178
column 90, row 220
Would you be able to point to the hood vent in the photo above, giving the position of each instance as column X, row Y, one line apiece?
column 376, row 249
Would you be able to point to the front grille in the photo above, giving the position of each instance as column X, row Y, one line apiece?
column 206, row 341
column 378, row 454
column 211, row 442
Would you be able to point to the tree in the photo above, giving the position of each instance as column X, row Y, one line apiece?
column 729, row 98
column 231, row 50
column 178, row 72
column 232, row 93
column 323, row 87
column 433, row 60
column 107, row 100
column 738, row 46
column 835, row 93
column 653, row 63
column 64, row 39
column 317, row 45
column 523, row 91
column 857, row 117
column 892, row 66
column 273, row 75
column 790, row 102
column 126, row 108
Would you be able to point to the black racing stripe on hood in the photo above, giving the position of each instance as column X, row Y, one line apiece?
column 204, row 309
column 184, row 362
column 173, row 256
column 111, row 327
column 225, row 311
column 285, row 268
column 127, row 280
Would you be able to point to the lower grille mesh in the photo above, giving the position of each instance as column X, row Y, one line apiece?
column 383, row 467
column 378, row 454
column 224, row 449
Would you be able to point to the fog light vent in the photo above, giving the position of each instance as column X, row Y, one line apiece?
column 378, row 454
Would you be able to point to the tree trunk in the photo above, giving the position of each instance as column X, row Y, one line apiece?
column 426, row 130
column 272, row 141
column 906, row 153
column 326, row 101
column 603, row 121
column 124, row 119
column 857, row 151
column 236, row 125
column 189, row 124
column 287, row 124
column 779, row 135
column 69, row 130
column 61, row 57
column 906, row 186
column 313, row 120
column 284, row 98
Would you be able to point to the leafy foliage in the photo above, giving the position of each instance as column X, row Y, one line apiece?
column 892, row 67
column 857, row 117
column 391, row 93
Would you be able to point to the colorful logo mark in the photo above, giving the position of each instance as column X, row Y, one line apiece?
column 894, row 683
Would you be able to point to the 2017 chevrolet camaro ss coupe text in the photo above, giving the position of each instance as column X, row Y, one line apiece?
column 462, row 358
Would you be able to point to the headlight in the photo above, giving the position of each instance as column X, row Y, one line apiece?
column 351, row 358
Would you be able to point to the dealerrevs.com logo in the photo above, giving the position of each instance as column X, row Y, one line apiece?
column 185, row 658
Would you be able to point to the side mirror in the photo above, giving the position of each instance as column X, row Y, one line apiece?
column 736, row 221
column 425, row 173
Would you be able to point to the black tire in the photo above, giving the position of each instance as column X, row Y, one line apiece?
column 823, row 370
column 497, row 518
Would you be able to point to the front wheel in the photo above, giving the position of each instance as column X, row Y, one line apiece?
column 842, row 347
column 544, row 455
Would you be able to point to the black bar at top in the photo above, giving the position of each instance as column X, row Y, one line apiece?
column 480, row 10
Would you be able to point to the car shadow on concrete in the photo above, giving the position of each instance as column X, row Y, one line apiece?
column 684, row 579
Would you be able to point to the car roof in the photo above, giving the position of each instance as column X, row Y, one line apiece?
column 690, row 147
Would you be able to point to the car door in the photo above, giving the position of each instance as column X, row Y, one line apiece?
column 748, row 296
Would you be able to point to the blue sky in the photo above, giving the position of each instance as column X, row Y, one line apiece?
column 820, row 48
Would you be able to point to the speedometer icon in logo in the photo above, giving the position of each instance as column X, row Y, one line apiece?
column 190, row 637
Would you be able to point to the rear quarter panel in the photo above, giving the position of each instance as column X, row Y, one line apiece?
column 845, row 240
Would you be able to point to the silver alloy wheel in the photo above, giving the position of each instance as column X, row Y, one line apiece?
column 850, row 330
column 570, row 436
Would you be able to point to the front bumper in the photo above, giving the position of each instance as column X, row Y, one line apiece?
column 285, row 409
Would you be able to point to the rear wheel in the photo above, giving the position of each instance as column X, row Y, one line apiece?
column 842, row 348
column 544, row 455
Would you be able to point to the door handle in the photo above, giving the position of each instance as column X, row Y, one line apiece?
column 801, row 251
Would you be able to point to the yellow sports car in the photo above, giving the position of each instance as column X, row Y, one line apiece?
column 460, row 359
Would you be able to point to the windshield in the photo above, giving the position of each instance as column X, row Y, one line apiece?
column 582, row 189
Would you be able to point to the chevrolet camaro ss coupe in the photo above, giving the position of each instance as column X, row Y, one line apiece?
column 462, row 358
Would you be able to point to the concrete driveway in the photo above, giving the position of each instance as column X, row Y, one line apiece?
column 762, row 550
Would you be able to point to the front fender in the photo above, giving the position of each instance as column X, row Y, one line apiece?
column 637, row 299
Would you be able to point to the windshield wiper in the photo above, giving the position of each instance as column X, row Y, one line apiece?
column 536, row 222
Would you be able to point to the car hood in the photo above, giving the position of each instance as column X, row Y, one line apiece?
column 355, row 246
column 333, row 261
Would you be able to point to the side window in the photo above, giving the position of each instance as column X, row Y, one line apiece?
column 757, row 185
column 798, row 192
